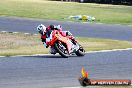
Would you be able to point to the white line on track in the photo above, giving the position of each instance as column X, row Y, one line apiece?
column 110, row 50
column 129, row 25
column 31, row 55
column 3, row 31
column 35, row 34
column 2, row 56
column 86, row 52
column 26, row 33
column 15, row 32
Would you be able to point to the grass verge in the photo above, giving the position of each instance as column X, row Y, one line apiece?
column 22, row 44
column 55, row 10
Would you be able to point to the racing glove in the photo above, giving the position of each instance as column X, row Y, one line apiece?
column 45, row 45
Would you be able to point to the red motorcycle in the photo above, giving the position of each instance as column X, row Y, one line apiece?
column 64, row 45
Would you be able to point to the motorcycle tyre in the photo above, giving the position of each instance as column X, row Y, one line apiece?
column 80, row 53
column 59, row 51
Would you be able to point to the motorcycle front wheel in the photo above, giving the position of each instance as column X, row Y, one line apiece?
column 61, row 49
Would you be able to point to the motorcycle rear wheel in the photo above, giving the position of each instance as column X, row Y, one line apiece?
column 60, row 49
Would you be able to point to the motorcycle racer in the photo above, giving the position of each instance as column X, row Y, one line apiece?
column 46, row 31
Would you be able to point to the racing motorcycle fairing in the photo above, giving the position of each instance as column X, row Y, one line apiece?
column 56, row 36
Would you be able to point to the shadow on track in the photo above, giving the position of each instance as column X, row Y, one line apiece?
column 49, row 56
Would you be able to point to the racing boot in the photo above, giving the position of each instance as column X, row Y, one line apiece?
column 52, row 50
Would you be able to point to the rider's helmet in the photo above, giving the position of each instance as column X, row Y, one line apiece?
column 41, row 29
column 59, row 27
column 52, row 27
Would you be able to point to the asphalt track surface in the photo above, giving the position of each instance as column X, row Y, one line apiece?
column 119, row 32
column 55, row 72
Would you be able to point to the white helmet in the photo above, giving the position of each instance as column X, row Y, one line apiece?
column 41, row 29
column 59, row 27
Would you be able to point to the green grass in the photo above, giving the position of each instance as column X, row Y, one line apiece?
column 59, row 10
column 96, row 44
column 21, row 44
